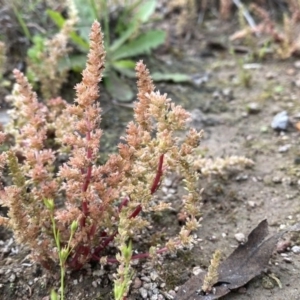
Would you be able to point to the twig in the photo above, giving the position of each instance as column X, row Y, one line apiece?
column 246, row 15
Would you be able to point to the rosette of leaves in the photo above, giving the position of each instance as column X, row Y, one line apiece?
column 124, row 36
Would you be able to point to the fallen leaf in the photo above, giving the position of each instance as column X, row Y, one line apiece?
column 246, row 262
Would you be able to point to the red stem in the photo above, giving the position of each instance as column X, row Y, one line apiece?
column 89, row 169
column 138, row 209
column 156, row 181
column 84, row 204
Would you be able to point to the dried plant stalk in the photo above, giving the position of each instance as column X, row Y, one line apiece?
column 212, row 275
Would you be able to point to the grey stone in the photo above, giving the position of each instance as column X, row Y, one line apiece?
column 280, row 121
column 296, row 249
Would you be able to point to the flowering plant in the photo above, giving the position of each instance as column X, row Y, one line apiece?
column 109, row 203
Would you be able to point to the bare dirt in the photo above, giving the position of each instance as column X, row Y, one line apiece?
column 233, row 203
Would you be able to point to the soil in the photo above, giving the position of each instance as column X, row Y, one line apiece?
column 236, row 120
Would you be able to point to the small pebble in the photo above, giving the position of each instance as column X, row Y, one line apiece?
column 297, row 83
column 242, row 177
column 146, row 279
column 284, row 148
column 253, row 66
column 12, row 277
column 216, row 95
column 251, row 204
column 137, row 283
column 283, row 246
column 143, row 293
column 297, row 64
column 172, row 293
column 253, row 108
column 290, row 71
column 240, row 237
column 168, row 182
column 270, row 75
column 197, row 270
column 172, row 191
column 98, row 273
column 263, row 129
column 242, row 290
column 296, row 249
column 276, row 179
column 287, row 260
column 280, row 121
column 228, row 94
column 153, row 275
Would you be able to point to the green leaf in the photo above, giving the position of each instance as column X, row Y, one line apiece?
column 86, row 18
column 175, row 77
column 125, row 67
column 59, row 20
column 145, row 11
column 56, row 17
column 132, row 27
column 21, row 21
column 117, row 88
column 35, row 51
column 124, row 64
column 75, row 63
column 144, row 43
column 53, row 295
column 79, row 41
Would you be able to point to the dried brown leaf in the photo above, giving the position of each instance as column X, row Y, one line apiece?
column 246, row 262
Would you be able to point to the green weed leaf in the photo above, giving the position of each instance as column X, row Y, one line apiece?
column 174, row 77
column 146, row 10
column 59, row 20
column 53, row 295
column 56, row 17
column 79, row 41
column 132, row 27
column 75, row 63
column 125, row 67
column 141, row 45
column 117, row 88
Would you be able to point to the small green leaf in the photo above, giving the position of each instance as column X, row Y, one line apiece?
column 125, row 67
column 117, row 88
column 146, row 10
column 124, row 64
column 53, row 295
column 74, row 226
column 56, row 17
column 175, row 77
column 278, row 89
column 127, row 251
column 49, row 203
column 144, row 43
